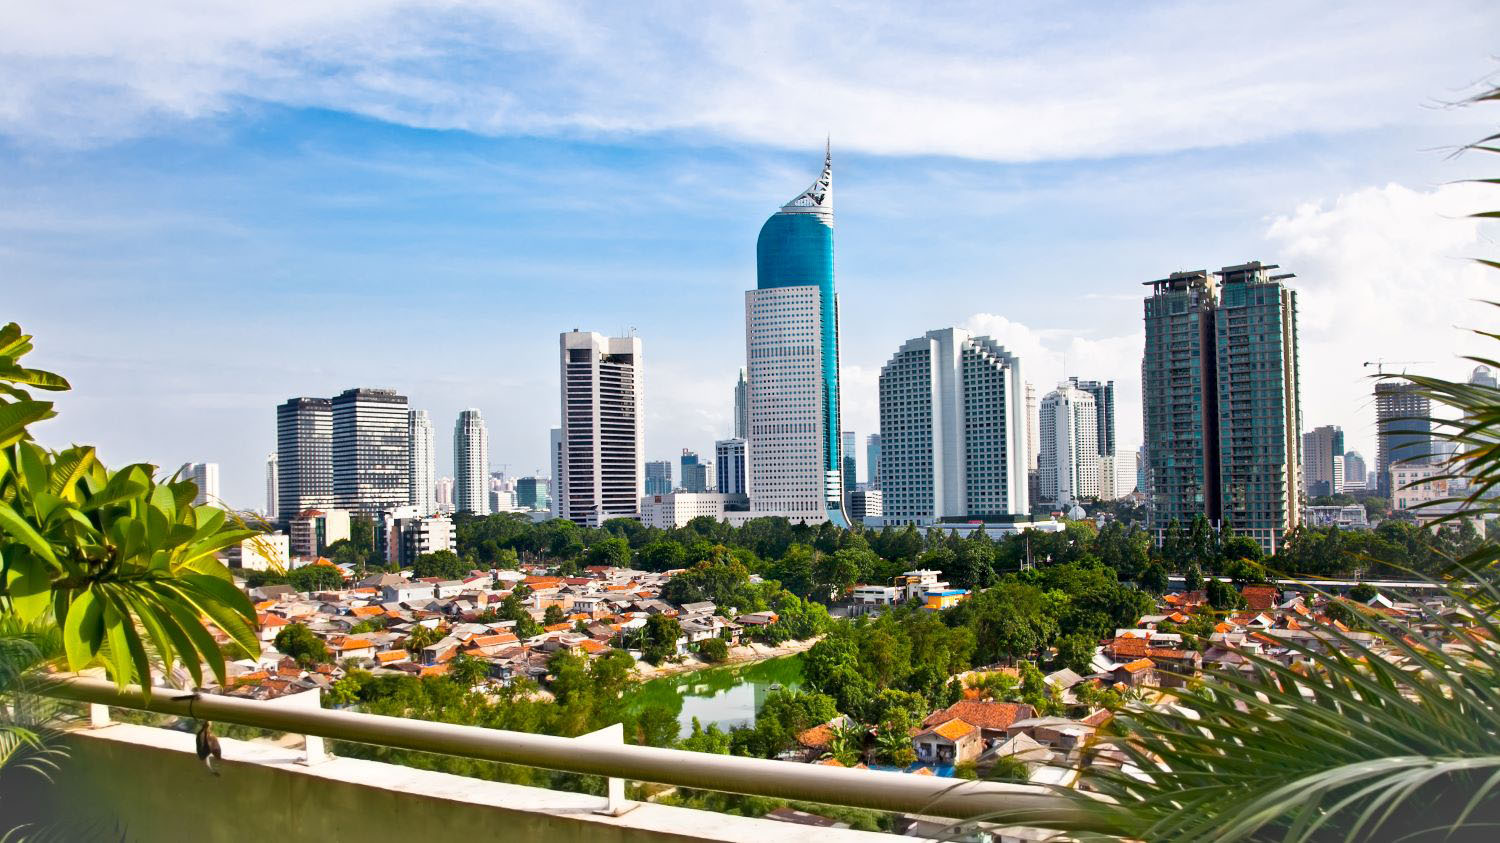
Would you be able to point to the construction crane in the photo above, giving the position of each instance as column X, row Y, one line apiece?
column 1380, row 362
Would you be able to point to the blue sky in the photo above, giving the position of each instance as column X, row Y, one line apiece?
column 207, row 208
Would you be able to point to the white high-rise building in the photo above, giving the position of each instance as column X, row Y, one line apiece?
column 471, row 460
column 1068, row 463
column 442, row 493
column 554, row 447
column 206, row 476
column 1031, row 426
column 952, row 431
column 422, row 464
column 272, row 486
column 1117, row 475
column 603, row 464
column 370, row 450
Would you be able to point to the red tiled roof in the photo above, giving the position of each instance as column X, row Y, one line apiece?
column 1128, row 647
column 1139, row 665
column 1259, row 597
column 391, row 656
column 982, row 713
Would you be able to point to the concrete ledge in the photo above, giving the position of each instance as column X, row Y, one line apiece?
column 149, row 783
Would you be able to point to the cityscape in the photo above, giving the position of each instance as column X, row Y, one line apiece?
column 1135, row 490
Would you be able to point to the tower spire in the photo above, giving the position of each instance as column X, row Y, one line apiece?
column 817, row 199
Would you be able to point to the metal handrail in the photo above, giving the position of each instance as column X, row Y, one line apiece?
column 956, row 799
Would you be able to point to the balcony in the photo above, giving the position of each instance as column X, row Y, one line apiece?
column 146, row 783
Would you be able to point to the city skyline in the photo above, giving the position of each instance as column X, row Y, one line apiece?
column 651, row 219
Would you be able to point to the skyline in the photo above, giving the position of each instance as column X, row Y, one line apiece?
column 307, row 244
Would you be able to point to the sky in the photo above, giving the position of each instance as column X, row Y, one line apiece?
column 209, row 207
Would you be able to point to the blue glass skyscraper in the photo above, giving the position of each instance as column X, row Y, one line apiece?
column 792, row 351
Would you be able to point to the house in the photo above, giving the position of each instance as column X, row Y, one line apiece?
column 1057, row 733
column 870, row 598
column 703, row 607
column 1260, row 598
column 270, row 626
column 1138, row 673
column 758, row 619
column 937, row 601
column 391, row 657
column 991, row 717
column 449, row 588
column 1177, row 666
column 406, row 592
column 951, row 742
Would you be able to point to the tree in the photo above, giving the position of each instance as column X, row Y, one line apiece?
column 1192, row 578
column 1154, row 578
column 422, row 637
column 1222, row 595
column 444, row 564
column 1362, row 592
column 316, row 578
column 713, row 650
column 835, row 573
column 794, row 570
column 1076, row 653
column 614, row 552
column 467, row 670
column 713, row 739
column 300, row 643
column 893, row 744
column 553, row 616
column 848, row 743
column 660, row 638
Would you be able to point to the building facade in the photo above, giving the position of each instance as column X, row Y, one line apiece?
column 603, row 470
column 1068, row 435
column 273, row 487
column 1222, row 406
column 694, row 473
column 1103, row 393
column 659, row 477
column 555, row 448
column 304, row 455
column 1403, row 432
column 729, row 461
column 471, row 463
column 952, row 431
column 1322, row 448
column 421, row 464
column 205, row 475
column 533, row 494
column 1355, row 471
column 849, row 444
column 872, row 461
column 866, row 503
column 792, row 356
column 741, row 407
column 678, row 508
column 370, row 450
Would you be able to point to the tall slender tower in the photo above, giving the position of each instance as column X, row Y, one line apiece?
column 1068, row 466
column 272, row 487
column 304, row 456
column 603, row 469
column 421, row 466
column 1403, row 429
column 792, row 353
column 471, row 460
column 741, row 407
column 370, row 450
column 206, row 476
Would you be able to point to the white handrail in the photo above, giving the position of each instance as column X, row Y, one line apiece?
column 930, row 795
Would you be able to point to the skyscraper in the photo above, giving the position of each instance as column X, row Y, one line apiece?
column 304, row 456
column 532, row 493
column 554, row 447
column 421, row 465
column 1482, row 376
column 442, row 492
column 729, row 461
column 370, row 450
column 1104, row 408
column 872, row 460
column 206, row 476
column 1354, row 470
column 273, row 485
column 792, row 352
column 1402, row 430
column 602, row 433
column 1320, row 447
column 659, row 477
column 1068, row 465
column 694, row 473
column 471, row 463
column 741, row 407
column 850, row 446
column 952, row 431
column 1033, row 423
column 1222, row 406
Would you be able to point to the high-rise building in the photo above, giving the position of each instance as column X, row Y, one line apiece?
column 1117, row 475
column 1222, row 407
column 659, row 477
column 471, row 463
column 532, row 493
column 741, row 407
column 865, row 503
column 1354, row 470
column 1068, row 465
column 370, row 450
column 792, row 352
column 421, row 465
column 442, row 492
column 729, row 460
column 1033, row 423
column 602, row 432
column 273, row 487
column 952, row 431
column 304, row 455
column 1104, row 407
column 872, row 460
column 850, row 445
column 205, row 475
column 554, row 447
column 1320, row 447
column 694, row 473
column 1140, row 470
column 1403, row 432
column 1482, row 376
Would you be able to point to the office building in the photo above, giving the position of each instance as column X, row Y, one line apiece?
column 729, row 460
column 952, row 431
column 370, row 450
column 1403, row 430
column 1117, row 475
column 659, row 477
column 1338, row 475
column 205, row 475
column 1321, row 447
column 264, row 552
column 602, row 435
column 421, row 464
column 471, row 463
column 533, row 494
column 1482, row 376
column 272, row 487
column 503, row 500
column 792, row 353
column 865, row 503
column 410, row 536
column 1355, row 472
column 741, row 407
column 304, row 455
column 872, row 461
column 1033, row 421
column 1104, row 408
column 1068, row 464
column 312, row 531
column 675, row 510
column 694, row 473
column 850, row 445
column 554, row 447
column 1221, row 401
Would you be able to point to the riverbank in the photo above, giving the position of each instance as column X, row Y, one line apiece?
column 743, row 654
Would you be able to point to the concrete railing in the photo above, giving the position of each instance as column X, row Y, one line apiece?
column 883, row 791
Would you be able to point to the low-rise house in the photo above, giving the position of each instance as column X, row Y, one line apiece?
column 991, row 717
column 866, row 599
column 951, row 742
column 406, row 592
column 1138, row 673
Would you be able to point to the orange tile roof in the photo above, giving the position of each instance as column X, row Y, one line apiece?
column 494, row 640
column 558, row 627
column 352, row 643
column 955, row 729
column 1259, row 597
column 272, row 620
column 818, row 737
column 391, row 656
column 366, row 611
column 591, row 646
column 264, row 605
column 1139, row 664
column 984, row 714
column 254, row 676
column 831, row 762
column 923, row 771
column 434, row 670
column 1169, row 654
column 1128, row 646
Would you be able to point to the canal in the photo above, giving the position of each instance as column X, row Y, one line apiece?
column 729, row 696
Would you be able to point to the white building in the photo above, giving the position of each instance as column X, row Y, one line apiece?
column 313, row 530
column 422, row 466
column 272, row 487
column 869, row 598
column 415, row 536
column 554, row 448
column 1117, row 475
column 952, row 431
column 442, row 493
column 603, row 465
column 206, row 476
column 471, row 460
column 1068, row 465
column 729, row 461
column 865, row 504
column 678, row 508
column 265, row 552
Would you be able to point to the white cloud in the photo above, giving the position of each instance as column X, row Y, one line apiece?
column 992, row 82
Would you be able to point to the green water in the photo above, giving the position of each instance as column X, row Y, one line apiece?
column 729, row 696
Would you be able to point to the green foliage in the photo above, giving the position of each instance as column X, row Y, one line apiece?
column 783, row 716
column 1223, row 596
column 659, row 639
column 467, row 671
column 300, row 643
column 848, row 743
column 713, row 650
column 610, row 551
column 444, row 565
column 315, row 578
column 713, row 739
column 1363, row 592
column 368, row 625
column 422, row 637
column 904, row 649
column 553, row 615
column 1075, row 651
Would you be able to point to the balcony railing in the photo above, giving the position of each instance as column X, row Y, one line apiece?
column 956, row 799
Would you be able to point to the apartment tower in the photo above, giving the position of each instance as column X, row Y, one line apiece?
column 602, row 434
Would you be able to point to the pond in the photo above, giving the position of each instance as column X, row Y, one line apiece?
column 729, row 696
